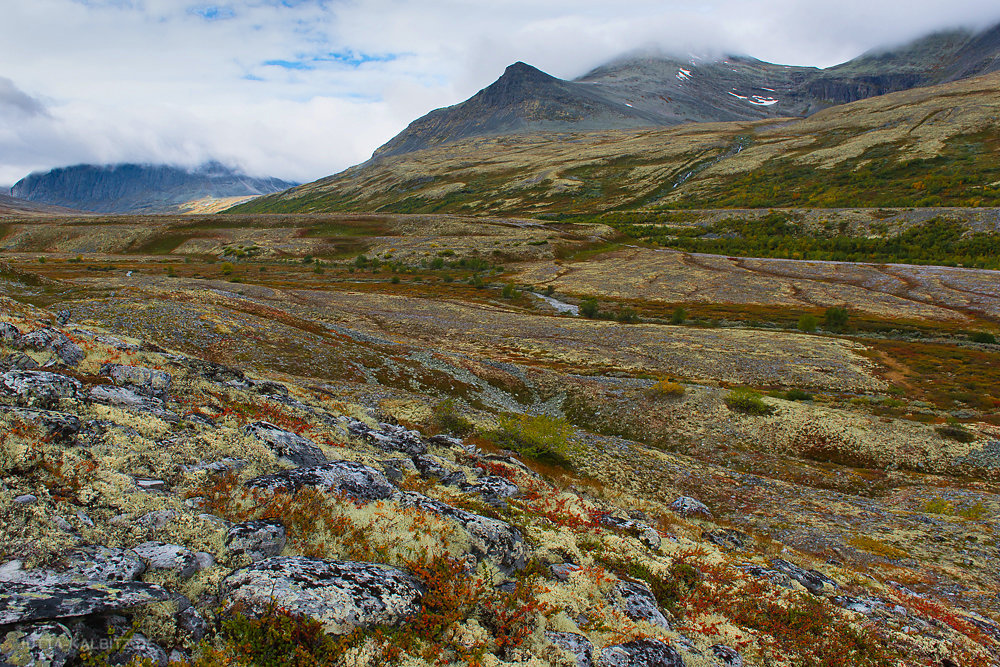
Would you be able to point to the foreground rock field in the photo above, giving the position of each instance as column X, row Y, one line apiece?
column 363, row 440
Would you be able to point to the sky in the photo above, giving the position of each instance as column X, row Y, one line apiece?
column 301, row 89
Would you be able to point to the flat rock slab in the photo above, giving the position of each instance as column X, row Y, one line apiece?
column 641, row 653
column 388, row 437
column 353, row 479
column 145, row 381
column 60, row 425
column 257, row 539
column 340, row 595
column 291, row 446
column 491, row 538
column 641, row 531
column 54, row 341
column 21, row 602
column 128, row 399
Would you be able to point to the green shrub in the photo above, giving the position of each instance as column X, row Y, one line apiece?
column 984, row 337
column 395, row 280
column 627, row 316
column 748, row 402
column 447, row 417
column 808, row 323
column 226, row 268
column 835, row 319
column 537, row 436
column 509, row 291
column 589, row 308
column 798, row 395
column 956, row 433
column 678, row 316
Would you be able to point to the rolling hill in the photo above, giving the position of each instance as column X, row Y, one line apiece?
column 934, row 146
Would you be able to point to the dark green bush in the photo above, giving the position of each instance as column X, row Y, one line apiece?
column 748, row 402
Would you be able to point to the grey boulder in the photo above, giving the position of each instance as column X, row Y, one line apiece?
column 340, row 595
column 637, row 601
column 39, row 388
column 257, row 539
column 493, row 489
column 388, row 437
column 287, row 445
column 688, row 507
column 160, row 556
column 352, row 479
column 814, row 581
column 581, row 647
column 491, row 538
column 144, row 381
column 727, row 656
column 54, row 341
column 641, row 531
column 640, row 653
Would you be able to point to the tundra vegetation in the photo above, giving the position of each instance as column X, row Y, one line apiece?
column 388, row 439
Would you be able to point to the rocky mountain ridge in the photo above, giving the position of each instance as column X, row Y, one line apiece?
column 654, row 91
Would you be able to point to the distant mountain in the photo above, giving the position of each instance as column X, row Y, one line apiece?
column 661, row 91
column 139, row 188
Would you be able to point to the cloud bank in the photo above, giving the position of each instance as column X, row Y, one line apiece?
column 300, row 89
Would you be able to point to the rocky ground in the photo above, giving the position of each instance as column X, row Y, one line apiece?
column 321, row 465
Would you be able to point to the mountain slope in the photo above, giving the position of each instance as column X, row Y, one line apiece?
column 644, row 91
column 12, row 205
column 135, row 188
column 924, row 147
column 523, row 99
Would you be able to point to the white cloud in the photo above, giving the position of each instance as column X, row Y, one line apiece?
column 303, row 88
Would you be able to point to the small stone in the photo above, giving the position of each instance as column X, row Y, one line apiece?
column 727, row 656
column 563, row 571
column 203, row 560
column 257, row 539
column 160, row 556
column 151, row 484
column 26, row 499
column 688, row 507
column 156, row 520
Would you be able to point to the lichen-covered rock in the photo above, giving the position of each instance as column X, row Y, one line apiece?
column 9, row 333
column 640, row 653
column 641, row 531
column 161, row 556
column 430, row 467
column 340, row 595
column 24, row 602
column 144, row 381
column 40, row 389
column 54, row 341
column 397, row 469
column 814, row 581
column 388, row 437
column 257, row 539
column 99, row 563
column 491, row 538
column 637, row 601
column 494, row 490
column 131, row 400
column 728, row 539
column 353, row 479
column 287, row 445
column 578, row 645
column 37, row 645
column 687, row 507
column 18, row 361
column 140, row 650
column 59, row 425
column 728, row 657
